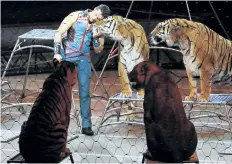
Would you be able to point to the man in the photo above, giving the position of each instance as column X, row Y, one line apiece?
column 78, row 26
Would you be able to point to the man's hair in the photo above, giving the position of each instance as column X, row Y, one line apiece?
column 104, row 9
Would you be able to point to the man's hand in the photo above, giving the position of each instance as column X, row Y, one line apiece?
column 97, row 32
column 57, row 59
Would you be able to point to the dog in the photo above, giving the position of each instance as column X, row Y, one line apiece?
column 170, row 136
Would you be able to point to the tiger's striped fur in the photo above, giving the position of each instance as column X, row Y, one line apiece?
column 43, row 136
column 205, row 53
column 133, row 46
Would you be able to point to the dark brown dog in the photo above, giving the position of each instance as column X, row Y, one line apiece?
column 43, row 136
column 170, row 136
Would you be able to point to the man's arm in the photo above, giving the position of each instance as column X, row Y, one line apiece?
column 64, row 26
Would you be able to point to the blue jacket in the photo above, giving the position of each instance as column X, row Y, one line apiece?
column 78, row 38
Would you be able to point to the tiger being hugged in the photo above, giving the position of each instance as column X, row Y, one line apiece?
column 133, row 47
column 205, row 53
column 43, row 136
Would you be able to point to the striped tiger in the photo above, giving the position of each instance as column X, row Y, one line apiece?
column 133, row 47
column 43, row 136
column 206, row 54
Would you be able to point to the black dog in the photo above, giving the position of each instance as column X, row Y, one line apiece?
column 170, row 136
column 43, row 136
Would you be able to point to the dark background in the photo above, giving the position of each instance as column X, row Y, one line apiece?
column 19, row 17
column 21, row 12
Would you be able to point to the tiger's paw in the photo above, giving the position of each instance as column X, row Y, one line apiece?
column 130, row 116
column 129, row 111
column 126, row 94
column 63, row 154
column 190, row 98
column 140, row 94
column 67, row 150
column 148, row 155
column 204, row 98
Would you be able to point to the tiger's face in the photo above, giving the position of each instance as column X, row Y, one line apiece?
column 137, row 75
column 141, row 74
column 165, row 31
column 109, row 27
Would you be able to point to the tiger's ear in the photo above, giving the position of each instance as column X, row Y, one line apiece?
column 98, row 23
column 124, row 20
column 177, row 29
column 63, row 69
column 175, row 26
column 179, row 23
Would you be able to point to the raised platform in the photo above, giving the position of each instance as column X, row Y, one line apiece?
column 192, row 159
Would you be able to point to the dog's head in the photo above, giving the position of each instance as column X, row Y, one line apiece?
column 67, row 69
column 141, row 74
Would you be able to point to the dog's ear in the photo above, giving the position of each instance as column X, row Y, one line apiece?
column 144, row 69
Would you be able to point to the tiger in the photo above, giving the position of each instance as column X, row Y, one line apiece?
column 133, row 47
column 43, row 136
column 206, row 54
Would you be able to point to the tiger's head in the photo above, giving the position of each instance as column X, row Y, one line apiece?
column 67, row 70
column 111, row 27
column 167, row 31
column 142, row 73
